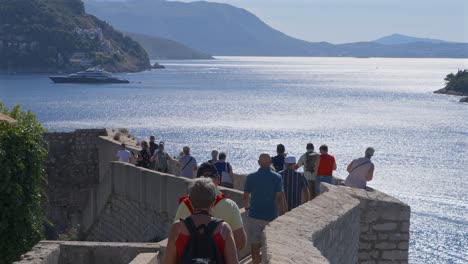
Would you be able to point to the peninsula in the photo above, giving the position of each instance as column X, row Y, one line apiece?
column 456, row 84
column 51, row 36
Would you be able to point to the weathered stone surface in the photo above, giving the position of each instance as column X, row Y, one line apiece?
column 146, row 258
column 385, row 227
column 395, row 255
column 41, row 254
column 403, row 245
column 405, row 226
column 385, row 245
column 398, row 237
column 323, row 235
column 72, row 173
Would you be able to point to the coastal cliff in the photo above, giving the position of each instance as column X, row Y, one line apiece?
column 54, row 35
column 456, row 84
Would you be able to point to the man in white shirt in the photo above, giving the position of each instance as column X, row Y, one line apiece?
column 124, row 154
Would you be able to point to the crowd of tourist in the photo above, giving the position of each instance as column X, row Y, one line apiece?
column 208, row 225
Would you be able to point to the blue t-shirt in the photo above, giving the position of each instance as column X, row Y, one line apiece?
column 263, row 186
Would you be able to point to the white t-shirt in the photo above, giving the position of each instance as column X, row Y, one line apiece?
column 187, row 165
column 124, row 155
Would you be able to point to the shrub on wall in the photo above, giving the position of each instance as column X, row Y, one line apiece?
column 22, row 158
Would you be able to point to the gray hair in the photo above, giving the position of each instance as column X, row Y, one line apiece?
column 202, row 193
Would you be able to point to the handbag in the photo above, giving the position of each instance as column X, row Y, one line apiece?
column 225, row 175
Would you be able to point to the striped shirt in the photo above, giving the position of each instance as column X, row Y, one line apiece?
column 293, row 183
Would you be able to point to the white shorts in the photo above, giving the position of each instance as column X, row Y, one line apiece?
column 255, row 229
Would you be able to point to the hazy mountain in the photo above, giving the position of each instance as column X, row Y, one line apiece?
column 222, row 29
column 51, row 35
column 218, row 29
column 403, row 39
column 165, row 49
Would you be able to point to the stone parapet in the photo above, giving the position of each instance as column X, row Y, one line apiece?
column 384, row 230
column 135, row 204
column 146, row 258
column 73, row 252
column 325, row 230
column 342, row 225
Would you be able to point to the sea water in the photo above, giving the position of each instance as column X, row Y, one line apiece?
column 247, row 105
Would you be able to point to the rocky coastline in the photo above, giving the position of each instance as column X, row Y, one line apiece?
column 456, row 84
column 444, row 90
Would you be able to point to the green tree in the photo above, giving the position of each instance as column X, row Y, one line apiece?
column 457, row 82
column 22, row 158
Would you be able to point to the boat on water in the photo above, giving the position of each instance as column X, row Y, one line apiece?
column 91, row 75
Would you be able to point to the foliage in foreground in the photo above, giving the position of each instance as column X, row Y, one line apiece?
column 22, row 157
column 457, row 82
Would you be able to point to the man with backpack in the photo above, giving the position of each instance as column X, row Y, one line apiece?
column 161, row 159
column 201, row 238
column 310, row 160
column 223, row 208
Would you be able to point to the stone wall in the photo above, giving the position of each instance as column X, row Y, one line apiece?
column 72, row 171
column 135, row 204
column 325, row 230
column 384, row 231
column 71, row 252
column 342, row 225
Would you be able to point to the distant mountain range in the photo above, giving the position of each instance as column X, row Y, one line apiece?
column 222, row 29
column 396, row 39
column 166, row 49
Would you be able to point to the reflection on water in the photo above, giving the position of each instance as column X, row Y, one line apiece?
column 246, row 106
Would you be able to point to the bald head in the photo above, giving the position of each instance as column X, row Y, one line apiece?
column 264, row 161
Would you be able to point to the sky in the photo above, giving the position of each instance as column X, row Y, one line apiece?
column 344, row 21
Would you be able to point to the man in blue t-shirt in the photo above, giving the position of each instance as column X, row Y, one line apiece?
column 263, row 201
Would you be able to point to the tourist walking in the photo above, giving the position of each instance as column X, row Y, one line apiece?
column 152, row 148
column 225, row 171
column 263, row 201
column 278, row 160
column 187, row 163
column 144, row 157
column 361, row 170
column 214, row 156
column 124, row 154
column 161, row 159
column 224, row 208
column 325, row 169
column 310, row 160
column 294, row 184
column 201, row 236
column 152, row 145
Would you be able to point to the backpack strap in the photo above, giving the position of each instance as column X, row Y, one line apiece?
column 359, row 165
column 210, row 228
column 188, row 221
column 186, row 201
